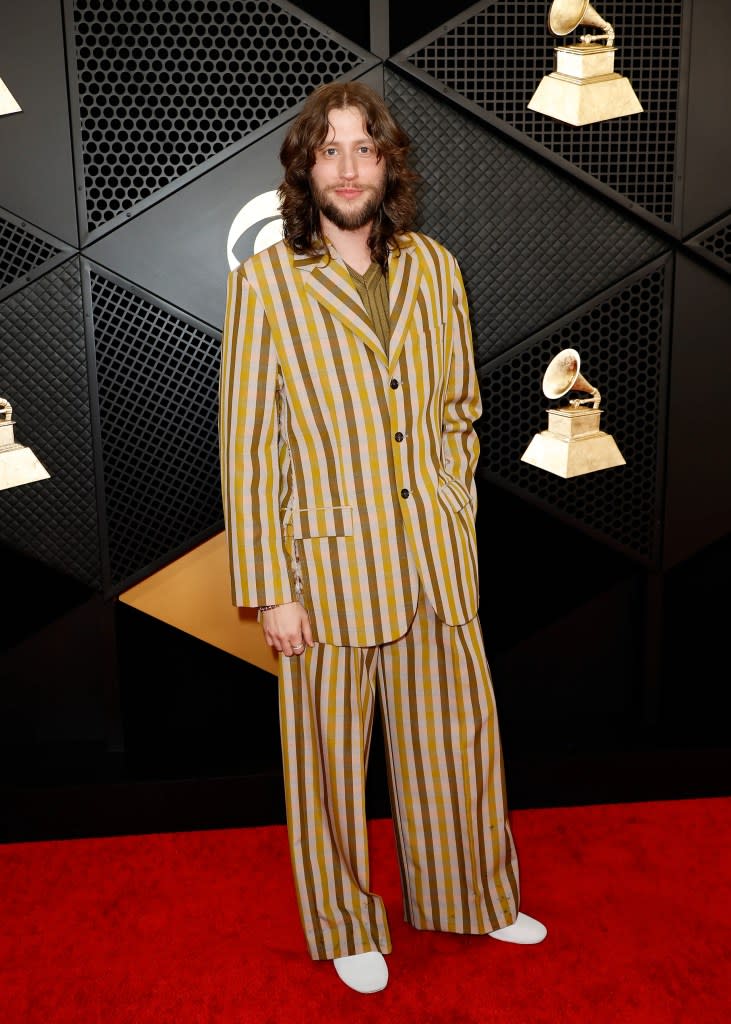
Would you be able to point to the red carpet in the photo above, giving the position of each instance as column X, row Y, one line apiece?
column 201, row 928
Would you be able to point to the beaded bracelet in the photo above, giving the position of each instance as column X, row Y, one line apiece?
column 267, row 607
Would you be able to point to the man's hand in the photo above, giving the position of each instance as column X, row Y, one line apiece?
column 287, row 628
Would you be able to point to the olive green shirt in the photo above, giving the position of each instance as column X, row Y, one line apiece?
column 372, row 287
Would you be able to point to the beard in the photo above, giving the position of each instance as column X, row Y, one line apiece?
column 350, row 217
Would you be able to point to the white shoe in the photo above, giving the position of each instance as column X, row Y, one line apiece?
column 364, row 972
column 524, row 930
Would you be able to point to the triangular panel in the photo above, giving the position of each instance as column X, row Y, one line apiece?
column 165, row 88
column 531, row 243
column 622, row 339
column 493, row 59
column 44, row 376
column 36, row 166
column 714, row 242
column 157, row 376
column 25, row 253
column 177, row 248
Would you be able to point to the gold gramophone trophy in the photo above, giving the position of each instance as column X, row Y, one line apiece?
column 573, row 443
column 583, row 87
column 18, row 464
column 8, row 102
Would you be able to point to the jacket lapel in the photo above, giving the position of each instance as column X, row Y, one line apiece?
column 404, row 275
column 328, row 280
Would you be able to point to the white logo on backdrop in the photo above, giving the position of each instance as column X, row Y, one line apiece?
column 261, row 207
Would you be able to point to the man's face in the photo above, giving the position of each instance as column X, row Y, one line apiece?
column 348, row 178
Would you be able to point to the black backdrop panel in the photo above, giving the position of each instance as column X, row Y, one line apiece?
column 162, row 88
column 708, row 140
column 531, row 244
column 43, row 373
column 351, row 20
column 158, row 404
column 567, row 237
column 496, row 56
column 410, row 23
column 698, row 501
column 25, row 253
column 548, row 677
column 622, row 339
column 192, row 97
column 714, row 242
column 177, row 248
column 36, row 168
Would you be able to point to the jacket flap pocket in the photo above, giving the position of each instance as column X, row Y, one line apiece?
column 322, row 522
column 453, row 493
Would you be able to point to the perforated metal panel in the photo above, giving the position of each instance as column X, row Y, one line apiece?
column 529, row 242
column 165, row 84
column 21, row 252
column 43, row 373
column 496, row 57
column 622, row 341
column 715, row 243
column 158, row 404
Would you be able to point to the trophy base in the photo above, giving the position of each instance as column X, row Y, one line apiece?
column 18, row 465
column 584, row 88
column 575, row 450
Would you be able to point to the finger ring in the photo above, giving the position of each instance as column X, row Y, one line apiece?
column 298, row 647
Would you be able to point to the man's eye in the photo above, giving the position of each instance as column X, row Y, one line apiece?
column 330, row 151
column 366, row 150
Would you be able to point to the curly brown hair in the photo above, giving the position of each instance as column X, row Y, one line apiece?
column 397, row 212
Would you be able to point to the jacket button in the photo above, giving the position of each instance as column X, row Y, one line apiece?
column 404, row 493
column 398, row 436
column 394, row 383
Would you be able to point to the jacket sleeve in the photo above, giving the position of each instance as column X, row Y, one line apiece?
column 462, row 399
column 250, row 460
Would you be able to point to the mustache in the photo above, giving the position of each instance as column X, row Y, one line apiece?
column 352, row 188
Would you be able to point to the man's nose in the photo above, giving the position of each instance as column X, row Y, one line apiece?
column 348, row 167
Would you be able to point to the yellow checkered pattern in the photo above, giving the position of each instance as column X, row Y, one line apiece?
column 347, row 474
column 459, row 870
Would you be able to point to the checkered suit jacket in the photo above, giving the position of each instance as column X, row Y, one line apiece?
column 348, row 474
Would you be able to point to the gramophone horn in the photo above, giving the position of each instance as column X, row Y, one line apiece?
column 562, row 375
column 566, row 15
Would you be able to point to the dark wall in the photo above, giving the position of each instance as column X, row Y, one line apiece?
column 147, row 129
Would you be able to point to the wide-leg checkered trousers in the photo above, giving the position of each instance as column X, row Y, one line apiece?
column 458, row 863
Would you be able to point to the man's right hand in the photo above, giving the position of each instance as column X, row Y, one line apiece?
column 287, row 628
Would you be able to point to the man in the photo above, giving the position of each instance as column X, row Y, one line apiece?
column 348, row 397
